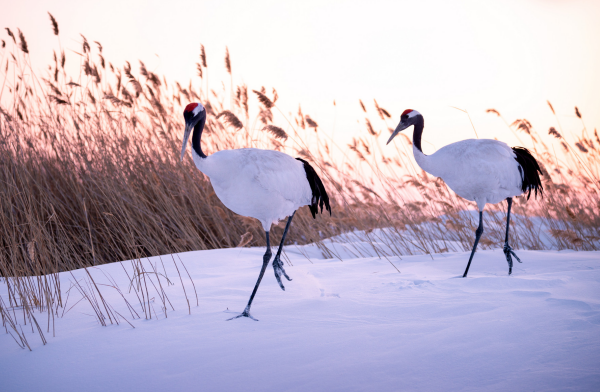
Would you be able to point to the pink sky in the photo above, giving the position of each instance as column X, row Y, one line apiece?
column 424, row 55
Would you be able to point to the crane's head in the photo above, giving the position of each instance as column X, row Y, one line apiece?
column 409, row 117
column 193, row 114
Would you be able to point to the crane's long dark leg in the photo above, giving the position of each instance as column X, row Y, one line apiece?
column 266, row 259
column 478, row 233
column 277, row 264
column 508, row 252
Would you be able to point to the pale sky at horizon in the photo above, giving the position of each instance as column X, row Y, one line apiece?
column 425, row 55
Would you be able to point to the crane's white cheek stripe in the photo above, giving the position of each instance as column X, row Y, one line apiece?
column 198, row 109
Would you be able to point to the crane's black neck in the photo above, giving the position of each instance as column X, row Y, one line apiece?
column 197, row 135
column 419, row 124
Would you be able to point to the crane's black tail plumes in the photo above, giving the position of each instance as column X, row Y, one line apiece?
column 530, row 171
column 319, row 195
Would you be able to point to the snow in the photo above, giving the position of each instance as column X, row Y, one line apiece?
column 351, row 325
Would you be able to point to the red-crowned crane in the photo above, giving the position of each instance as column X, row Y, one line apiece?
column 480, row 170
column 263, row 184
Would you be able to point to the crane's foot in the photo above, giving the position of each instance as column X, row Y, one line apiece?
column 245, row 313
column 509, row 253
column 278, row 268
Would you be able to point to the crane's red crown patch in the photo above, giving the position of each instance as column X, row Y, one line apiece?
column 406, row 111
column 190, row 107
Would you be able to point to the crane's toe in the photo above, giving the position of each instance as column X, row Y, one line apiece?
column 278, row 268
column 245, row 313
column 509, row 253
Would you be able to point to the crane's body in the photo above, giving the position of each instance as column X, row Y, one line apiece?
column 486, row 172
column 479, row 170
column 263, row 184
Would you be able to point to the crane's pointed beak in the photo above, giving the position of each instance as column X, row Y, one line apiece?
column 401, row 127
column 186, row 136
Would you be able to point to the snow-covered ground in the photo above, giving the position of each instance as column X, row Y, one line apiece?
column 351, row 325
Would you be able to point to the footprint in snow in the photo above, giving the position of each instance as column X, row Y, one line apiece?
column 328, row 295
column 419, row 282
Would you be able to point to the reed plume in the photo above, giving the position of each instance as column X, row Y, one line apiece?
column 227, row 60
column 276, row 132
column 552, row 131
column 231, row 119
column 263, row 99
column 54, row 24
column 362, row 105
column 203, row 56
column 311, row 123
column 22, row 42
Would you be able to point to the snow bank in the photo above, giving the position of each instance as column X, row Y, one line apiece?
column 352, row 325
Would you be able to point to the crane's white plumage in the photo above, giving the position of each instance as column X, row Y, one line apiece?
column 480, row 170
column 263, row 184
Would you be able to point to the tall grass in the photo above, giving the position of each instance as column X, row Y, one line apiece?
column 89, row 174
